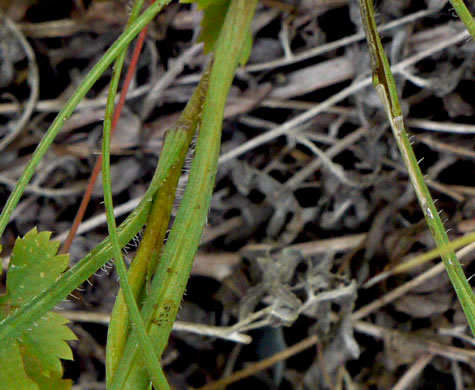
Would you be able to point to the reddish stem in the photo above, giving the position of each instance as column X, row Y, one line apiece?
column 97, row 168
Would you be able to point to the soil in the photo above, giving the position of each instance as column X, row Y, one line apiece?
column 300, row 224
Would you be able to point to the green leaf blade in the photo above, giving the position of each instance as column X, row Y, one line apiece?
column 212, row 23
column 385, row 85
column 12, row 371
column 44, row 382
column 44, row 269
column 214, row 13
column 35, row 355
column 48, row 340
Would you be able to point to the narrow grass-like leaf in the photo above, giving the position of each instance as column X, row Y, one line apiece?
column 145, row 261
column 214, row 12
column 151, row 361
column 44, row 301
column 423, row 258
column 465, row 16
column 119, row 45
column 169, row 282
column 385, row 85
column 116, row 73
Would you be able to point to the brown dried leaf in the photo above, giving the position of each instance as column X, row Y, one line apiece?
column 421, row 306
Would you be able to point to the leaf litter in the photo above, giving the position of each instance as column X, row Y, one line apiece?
column 278, row 194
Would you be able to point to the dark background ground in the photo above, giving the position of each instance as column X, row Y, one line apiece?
column 300, row 244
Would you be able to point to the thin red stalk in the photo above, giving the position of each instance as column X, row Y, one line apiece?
column 97, row 168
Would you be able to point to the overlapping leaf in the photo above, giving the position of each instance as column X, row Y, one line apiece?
column 32, row 361
column 214, row 12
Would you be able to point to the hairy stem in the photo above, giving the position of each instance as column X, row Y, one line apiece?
column 385, row 85
column 168, row 285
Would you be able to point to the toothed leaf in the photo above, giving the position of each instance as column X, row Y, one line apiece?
column 53, row 381
column 34, row 356
column 12, row 374
column 33, row 267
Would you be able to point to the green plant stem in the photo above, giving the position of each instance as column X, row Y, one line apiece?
column 117, row 70
column 169, row 282
column 385, row 85
column 24, row 317
column 151, row 360
column 150, row 247
column 119, row 62
column 434, row 253
column 416, row 261
column 119, row 45
column 32, row 311
column 465, row 16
